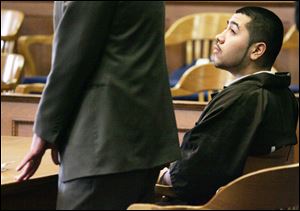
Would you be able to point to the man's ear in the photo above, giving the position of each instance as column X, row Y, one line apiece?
column 257, row 50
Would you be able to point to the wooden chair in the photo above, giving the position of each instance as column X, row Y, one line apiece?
column 282, row 156
column 11, row 70
column 11, row 21
column 200, row 78
column 291, row 38
column 34, row 88
column 25, row 47
column 267, row 189
column 197, row 32
column 33, row 83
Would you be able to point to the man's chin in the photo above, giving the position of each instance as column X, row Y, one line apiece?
column 220, row 65
column 215, row 60
column 216, row 63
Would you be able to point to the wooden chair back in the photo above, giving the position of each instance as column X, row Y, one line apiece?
column 11, row 70
column 25, row 47
column 201, row 78
column 291, row 38
column 272, row 188
column 197, row 32
column 11, row 21
column 282, row 156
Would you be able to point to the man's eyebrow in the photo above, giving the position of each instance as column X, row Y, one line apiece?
column 234, row 23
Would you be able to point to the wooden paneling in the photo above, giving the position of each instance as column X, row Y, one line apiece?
column 17, row 114
column 187, row 114
column 177, row 9
column 38, row 15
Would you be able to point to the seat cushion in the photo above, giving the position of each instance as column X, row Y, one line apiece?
column 193, row 97
column 34, row 79
column 176, row 74
column 294, row 88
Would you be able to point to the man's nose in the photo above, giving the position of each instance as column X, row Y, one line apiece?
column 220, row 38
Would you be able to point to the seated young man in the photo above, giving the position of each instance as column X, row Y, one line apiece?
column 255, row 114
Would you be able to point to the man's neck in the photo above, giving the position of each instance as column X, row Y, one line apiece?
column 249, row 70
column 239, row 77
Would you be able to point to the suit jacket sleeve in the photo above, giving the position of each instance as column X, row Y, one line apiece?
column 78, row 44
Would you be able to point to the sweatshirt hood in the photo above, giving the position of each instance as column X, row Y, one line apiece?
column 268, row 80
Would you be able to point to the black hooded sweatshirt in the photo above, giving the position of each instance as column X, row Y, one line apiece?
column 249, row 117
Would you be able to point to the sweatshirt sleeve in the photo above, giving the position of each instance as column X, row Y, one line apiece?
column 215, row 150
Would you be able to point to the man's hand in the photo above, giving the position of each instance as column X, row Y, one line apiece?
column 32, row 160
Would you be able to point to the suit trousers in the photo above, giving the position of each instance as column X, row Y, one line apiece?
column 108, row 192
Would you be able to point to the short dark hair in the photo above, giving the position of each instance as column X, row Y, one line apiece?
column 265, row 26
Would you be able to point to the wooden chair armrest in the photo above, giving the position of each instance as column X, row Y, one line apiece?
column 141, row 206
column 175, row 92
column 6, row 87
column 30, row 88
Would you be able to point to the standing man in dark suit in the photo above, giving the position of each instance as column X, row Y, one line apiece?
column 106, row 108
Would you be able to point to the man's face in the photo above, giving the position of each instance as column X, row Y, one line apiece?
column 231, row 49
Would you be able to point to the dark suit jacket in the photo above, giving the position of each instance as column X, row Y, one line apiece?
column 107, row 103
column 297, row 14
